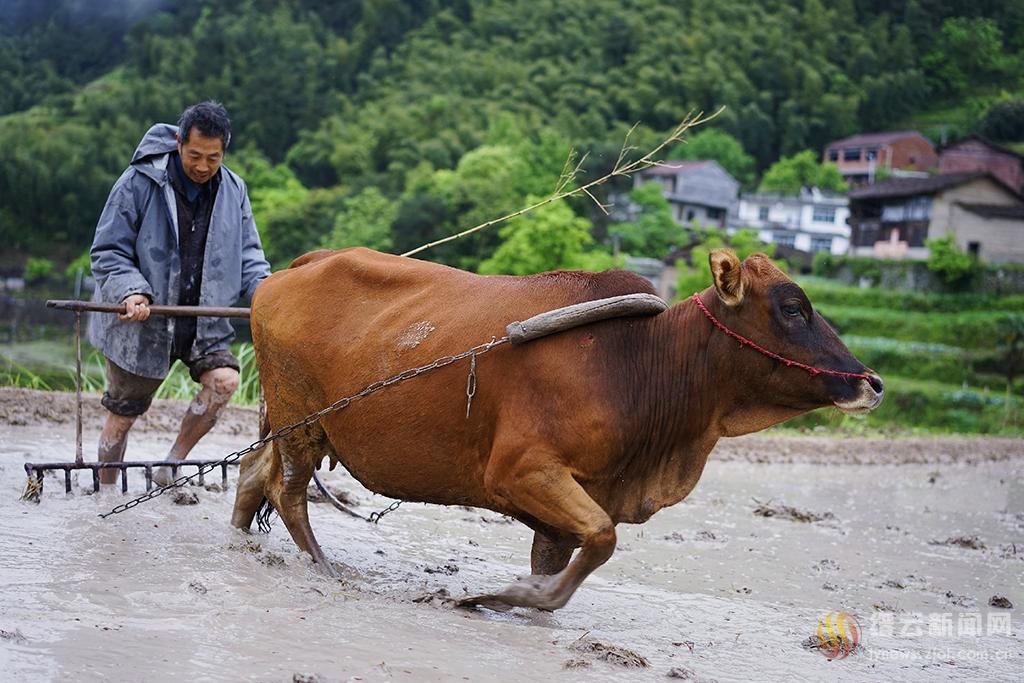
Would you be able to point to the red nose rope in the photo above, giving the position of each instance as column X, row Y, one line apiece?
column 771, row 354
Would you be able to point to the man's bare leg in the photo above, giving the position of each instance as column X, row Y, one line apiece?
column 219, row 385
column 113, row 441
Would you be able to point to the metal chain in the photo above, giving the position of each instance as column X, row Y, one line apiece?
column 375, row 516
column 471, row 384
column 374, row 387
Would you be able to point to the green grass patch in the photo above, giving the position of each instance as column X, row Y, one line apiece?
column 50, row 366
column 829, row 293
column 927, row 407
column 972, row 330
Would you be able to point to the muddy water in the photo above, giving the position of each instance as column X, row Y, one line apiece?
column 170, row 592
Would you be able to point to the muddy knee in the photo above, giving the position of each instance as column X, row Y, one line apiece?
column 221, row 383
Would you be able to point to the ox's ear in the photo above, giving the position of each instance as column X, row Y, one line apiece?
column 725, row 268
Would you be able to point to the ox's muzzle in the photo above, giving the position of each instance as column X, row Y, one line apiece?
column 868, row 396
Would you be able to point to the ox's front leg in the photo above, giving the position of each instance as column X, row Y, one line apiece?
column 544, row 489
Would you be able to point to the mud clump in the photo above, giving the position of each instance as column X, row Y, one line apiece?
column 576, row 664
column 1000, row 602
column 970, row 542
column 182, row 497
column 447, row 569
column 308, row 678
column 789, row 512
column 271, row 560
column 439, row 598
column 684, row 674
column 198, row 587
column 16, row 636
column 619, row 656
column 247, row 546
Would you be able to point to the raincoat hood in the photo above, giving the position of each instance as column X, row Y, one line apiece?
column 149, row 157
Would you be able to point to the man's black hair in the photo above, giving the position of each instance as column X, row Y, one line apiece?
column 209, row 118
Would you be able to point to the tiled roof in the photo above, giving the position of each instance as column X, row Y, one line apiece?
column 994, row 210
column 862, row 139
column 988, row 143
column 909, row 187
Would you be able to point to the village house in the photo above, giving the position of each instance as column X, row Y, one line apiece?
column 700, row 191
column 810, row 221
column 893, row 219
column 862, row 156
column 975, row 153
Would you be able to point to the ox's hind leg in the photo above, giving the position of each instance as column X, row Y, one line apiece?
column 287, row 493
column 253, row 473
column 539, row 486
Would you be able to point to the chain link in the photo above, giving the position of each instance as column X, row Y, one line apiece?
column 375, row 516
column 341, row 403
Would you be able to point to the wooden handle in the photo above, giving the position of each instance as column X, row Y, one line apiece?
column 171, row 311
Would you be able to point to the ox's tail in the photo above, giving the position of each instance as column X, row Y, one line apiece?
column 263, row 515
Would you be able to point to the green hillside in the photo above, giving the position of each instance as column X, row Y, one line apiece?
column 413, row 119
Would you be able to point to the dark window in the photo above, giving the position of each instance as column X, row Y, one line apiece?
column 866, row 233
column 689, row 215
column 762, row 213
column 824, row 214
column 871, row 153
column 973, row 248
column 784, row 239
column 851, row 154
column 833, row 154
column 821, row 244
column 715, row 214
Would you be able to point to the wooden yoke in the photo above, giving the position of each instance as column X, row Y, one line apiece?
column 560, row 319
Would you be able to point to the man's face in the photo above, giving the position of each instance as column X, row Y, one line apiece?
column 201, row 156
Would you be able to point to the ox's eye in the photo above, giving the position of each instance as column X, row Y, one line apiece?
column 791, row 309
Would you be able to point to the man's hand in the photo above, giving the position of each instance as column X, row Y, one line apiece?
column 136, row 308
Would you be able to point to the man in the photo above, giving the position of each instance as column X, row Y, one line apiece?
column 177, row 228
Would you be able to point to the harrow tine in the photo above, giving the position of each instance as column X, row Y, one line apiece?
column 35, row 472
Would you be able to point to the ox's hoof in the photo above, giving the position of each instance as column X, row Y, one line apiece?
column 538, row 592
column 491, row 602
column 328, row 569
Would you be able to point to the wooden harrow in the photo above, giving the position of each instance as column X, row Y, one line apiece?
column 36, row 470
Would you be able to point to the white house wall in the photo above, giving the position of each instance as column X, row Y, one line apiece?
column 795, row 216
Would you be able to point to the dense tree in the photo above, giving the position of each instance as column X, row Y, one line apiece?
column 789, row 174
column 1004, row 121
column 457, row 110
column 549, row 238
column 365, row 221
column 652, row 232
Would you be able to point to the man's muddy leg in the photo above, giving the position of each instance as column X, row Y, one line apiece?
column 219, row 385
column 113, row 441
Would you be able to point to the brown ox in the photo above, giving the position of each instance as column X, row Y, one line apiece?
column 570, row 434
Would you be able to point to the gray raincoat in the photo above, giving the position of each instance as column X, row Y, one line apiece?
column 135, row 251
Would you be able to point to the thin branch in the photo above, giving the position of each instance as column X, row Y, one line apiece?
column 621, row 168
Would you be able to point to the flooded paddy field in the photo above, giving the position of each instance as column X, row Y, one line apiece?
column 913, row 537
